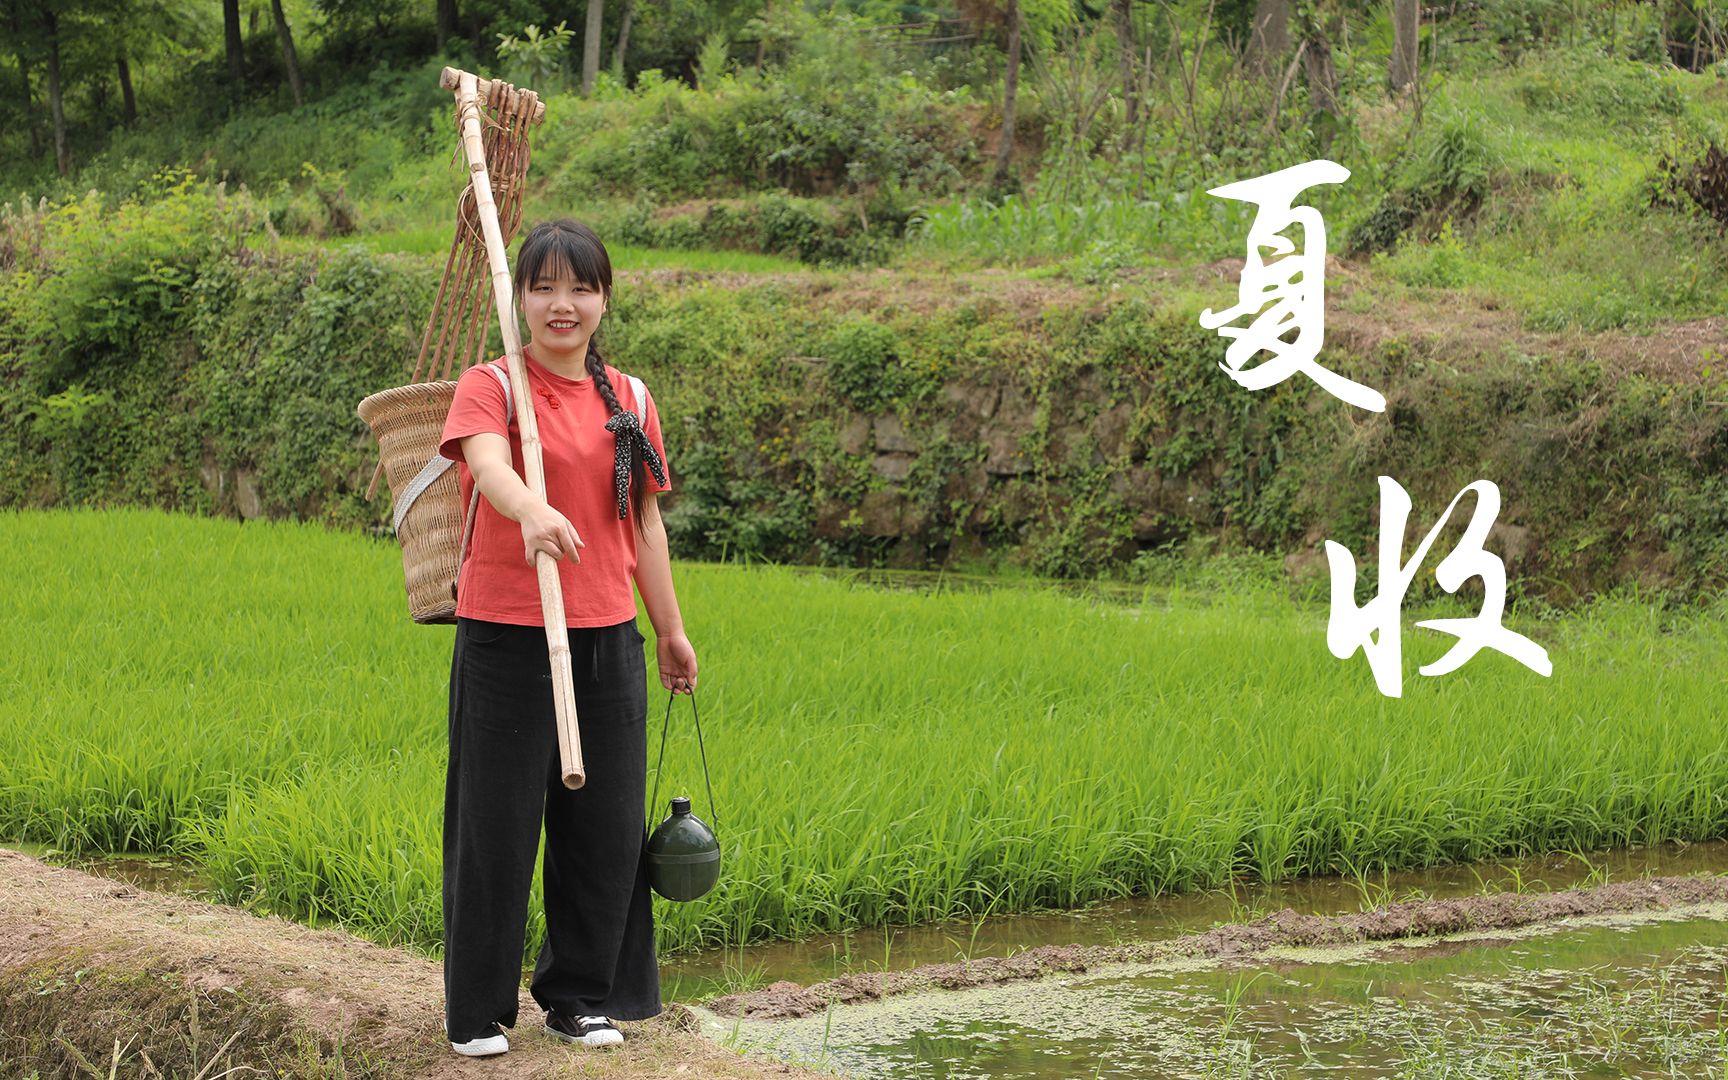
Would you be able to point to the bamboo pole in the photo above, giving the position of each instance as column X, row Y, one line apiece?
column 468, row 88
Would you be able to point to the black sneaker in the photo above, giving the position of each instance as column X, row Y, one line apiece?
column 586, row 1030
column 485, row 1045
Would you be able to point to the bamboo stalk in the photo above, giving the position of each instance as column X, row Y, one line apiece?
column 470, row 323
column 420, row 362
column 460, row 307
column 551, row 591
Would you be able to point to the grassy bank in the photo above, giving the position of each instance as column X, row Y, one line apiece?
column 105, row 980
column 906, row 419
column 1530, row 272
column 66, row 1018
column 256, row 695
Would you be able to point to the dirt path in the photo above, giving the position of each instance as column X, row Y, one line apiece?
column 88, row 964
column 1411, row 918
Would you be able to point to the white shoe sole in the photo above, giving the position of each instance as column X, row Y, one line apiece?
column 596, row 1038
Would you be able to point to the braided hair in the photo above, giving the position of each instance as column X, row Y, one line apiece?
column 567, row 248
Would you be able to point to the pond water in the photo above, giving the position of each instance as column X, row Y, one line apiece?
column 156, row 871
column 1612, row 995
column 1597, row 996
column 811, row 960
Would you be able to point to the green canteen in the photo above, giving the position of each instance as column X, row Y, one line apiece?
column 683, row 855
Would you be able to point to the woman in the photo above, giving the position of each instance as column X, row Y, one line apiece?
column 601, row 521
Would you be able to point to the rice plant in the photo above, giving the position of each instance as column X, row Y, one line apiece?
column 255, row 695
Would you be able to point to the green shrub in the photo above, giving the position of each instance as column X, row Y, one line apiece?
column 364, row 130
column 256, row 359
column 670, row 141
column 1452, row 161
column 1016, row 229
column 1583, row 85
column 104, row 277
column 863, row 362
column 1444, row 263
column 1383, row 227
column 819, row 232
column 136, row 340
column 1523, row 24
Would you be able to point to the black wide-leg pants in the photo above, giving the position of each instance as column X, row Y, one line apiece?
column 503, row 780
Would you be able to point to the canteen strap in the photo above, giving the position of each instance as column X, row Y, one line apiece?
column 713, row 811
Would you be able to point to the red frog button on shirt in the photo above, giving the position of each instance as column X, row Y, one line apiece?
column 551, row 398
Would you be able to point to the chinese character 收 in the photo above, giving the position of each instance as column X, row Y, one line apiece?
column 1374, row 627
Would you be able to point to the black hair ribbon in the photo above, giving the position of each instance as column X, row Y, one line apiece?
column 626, row 428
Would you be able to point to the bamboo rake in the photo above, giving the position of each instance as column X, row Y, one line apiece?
column 467, row 88
column 450, row 331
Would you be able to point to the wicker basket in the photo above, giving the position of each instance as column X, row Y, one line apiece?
column 408, row 421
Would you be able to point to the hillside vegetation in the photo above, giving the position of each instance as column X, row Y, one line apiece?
column 877, row 349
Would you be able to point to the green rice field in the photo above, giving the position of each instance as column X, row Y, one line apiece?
column 254, row 695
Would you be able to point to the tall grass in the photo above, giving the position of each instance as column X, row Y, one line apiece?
column 1184, row 223
column 1562, row 154
column 255, row 694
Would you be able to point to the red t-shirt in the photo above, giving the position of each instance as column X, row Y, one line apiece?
column 497, row 583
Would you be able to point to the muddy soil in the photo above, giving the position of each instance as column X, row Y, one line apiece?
column 1283, row 929
column 88, row 964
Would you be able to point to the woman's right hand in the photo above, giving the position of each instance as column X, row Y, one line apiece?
column 545, row 529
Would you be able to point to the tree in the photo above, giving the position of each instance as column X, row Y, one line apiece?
column 591, row 46
column 444, row 22
column 235, row 48
column 92, row 46
column 623, row 44
column 1406, row 23
column 1022, row 21
column 370, row 23
column 535, row 60
column 130, row 31
column 15, row 24
column 286, row 37
column 1124, row 13
column 56, row 96
column 128, row 100
column 1010, row 85
column 762, row 39
column 1269, row 37
column 1317, row 29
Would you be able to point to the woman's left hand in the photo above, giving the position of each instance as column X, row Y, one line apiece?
column 677, row 662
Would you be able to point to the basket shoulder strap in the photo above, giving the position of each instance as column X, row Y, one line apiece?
column 641, row 393
column 504, row 381
column 423, row 479
column 435, row 466
column 474, row 496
